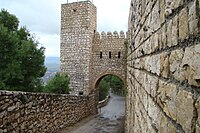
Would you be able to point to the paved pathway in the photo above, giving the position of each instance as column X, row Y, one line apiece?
column 109, row 120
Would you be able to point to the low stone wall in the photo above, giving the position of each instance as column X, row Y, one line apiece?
column 44, row 113
column 104, row 102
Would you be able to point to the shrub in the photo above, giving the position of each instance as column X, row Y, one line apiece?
column 59, row 84
column 103, row 89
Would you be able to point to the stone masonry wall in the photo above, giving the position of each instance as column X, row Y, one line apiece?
column 78, row 24
column 102, row 64
column 163, row 70
column 81, row 46
column 42, row 113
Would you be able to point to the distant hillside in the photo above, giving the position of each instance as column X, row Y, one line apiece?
column 53, row 66
column 52, row 60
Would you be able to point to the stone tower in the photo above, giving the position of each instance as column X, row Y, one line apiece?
column 78, row 24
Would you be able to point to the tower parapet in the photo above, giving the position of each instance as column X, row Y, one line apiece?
column 115, row 34
column 110, row 35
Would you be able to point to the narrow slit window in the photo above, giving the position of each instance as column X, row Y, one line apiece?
column 100, row 54
column 109, row 54
column 119, row 54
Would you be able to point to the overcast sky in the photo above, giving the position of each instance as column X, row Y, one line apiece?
column 42, row 17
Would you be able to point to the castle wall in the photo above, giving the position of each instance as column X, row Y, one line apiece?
column 163, row 67
column 78, row 24
column 22, row 112
column 103, row 63
column 81, row 46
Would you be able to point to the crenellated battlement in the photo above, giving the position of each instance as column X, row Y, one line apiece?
column 110, row 35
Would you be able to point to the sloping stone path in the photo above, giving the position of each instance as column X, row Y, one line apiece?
column 109, row 120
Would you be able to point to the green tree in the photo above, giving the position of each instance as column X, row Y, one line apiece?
column 22, row 62
column 103, row 89
column 8, row 20
column 59, row 84
column 117, row 85
column 111, row 82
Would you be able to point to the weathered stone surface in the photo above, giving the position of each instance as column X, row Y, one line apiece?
column 183, row 24
column 176, row 3
column 175, row 61
column 163, row 37
column 168, row 7
column 184, row 107
column 150, row 84
column 193, row 18
column 78, row 23
column 164, row 64
column 166, row 98
column 162, row 11
column 56, row 111
column 164, row 67
column 174, row 31
column 169, row 33
column 152, row 64
column 197, row 106
column 191, row 65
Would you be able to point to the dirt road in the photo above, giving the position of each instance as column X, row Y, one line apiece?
column 109, row 120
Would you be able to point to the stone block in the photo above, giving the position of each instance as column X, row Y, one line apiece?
column 3, row 114
column 166, row 98
column 150, row 84
column 185, row 66
column 174, row 31
column 190, row 65
column 147, row 46
column 139, row 63
column 163, row 126
column 152, row 64
column 154, row 43
column 169, row 33
column 168, row 7
column 154, row 112
column 177, row 3
column 184, row 106
column 162, row 11
column 183, row 24
column 164, row 64
column 175, row 103
column 175, row 61
column 171, row 128
column 197, row 106
column 163, row 37
column 155, row 21
column 12, row 108
column 193, row 18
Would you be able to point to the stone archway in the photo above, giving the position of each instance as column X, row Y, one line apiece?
column 101, row 76
column 99, row 79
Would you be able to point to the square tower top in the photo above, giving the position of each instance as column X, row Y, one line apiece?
column 73, row 1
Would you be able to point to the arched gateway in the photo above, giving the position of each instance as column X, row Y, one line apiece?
column 86, row 55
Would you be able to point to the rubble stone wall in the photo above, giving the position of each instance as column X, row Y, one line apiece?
column 163, row 67
column 42, row 113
